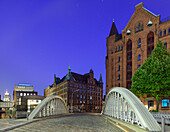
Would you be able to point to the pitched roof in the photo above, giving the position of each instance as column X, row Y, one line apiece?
column 113, row 29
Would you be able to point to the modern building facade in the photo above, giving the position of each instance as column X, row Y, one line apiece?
column 127, row 51
column 81, row 91
column 7, row 97
column 22, row 90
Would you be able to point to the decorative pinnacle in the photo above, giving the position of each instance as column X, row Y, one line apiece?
column 113, row 20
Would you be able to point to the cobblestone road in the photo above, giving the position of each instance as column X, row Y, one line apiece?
column 71, row 123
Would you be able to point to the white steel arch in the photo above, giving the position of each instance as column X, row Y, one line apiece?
column 51, row 105
column 122, row 104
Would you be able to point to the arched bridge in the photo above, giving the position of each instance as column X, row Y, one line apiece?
column 51, row 105
column 122, row 104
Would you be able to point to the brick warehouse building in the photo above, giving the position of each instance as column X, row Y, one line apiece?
column 87, row 92
column 126, row 52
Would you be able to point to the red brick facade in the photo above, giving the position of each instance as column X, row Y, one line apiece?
column 128, row 51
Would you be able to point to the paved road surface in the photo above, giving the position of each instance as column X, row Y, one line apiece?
column 71, row 123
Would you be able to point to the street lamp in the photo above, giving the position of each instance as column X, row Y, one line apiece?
column 72, row 100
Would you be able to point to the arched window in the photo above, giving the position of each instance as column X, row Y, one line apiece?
column 139, row 66
column 118, row 67
column 118, row 59
column 121, row 47
column 118, row 84
column 165, row 44
column 118, row 77
column 139, row 42
column 168, row 30
column 139, row 57
column 141, row 26
column 165, row 32
column 160, row 33
column 115, row 49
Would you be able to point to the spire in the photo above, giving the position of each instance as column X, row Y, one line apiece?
column 100, row 80
column 113, row 29
column 68, row 76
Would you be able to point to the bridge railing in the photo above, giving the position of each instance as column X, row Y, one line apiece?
column 122, row 104
column 51, row 105
column 159, row 115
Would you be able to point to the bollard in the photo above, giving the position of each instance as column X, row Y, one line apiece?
column 163, row 124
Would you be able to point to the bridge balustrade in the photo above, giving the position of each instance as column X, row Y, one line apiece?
column 122, row 104
column 51, row 105
column 158, row 116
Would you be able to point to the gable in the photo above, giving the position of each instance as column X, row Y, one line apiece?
column 139, row 10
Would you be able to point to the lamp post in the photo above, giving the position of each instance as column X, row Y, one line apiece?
column 72, row 100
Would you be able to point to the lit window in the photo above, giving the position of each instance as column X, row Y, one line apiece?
column 160, row 33
column 21, row 94
column 118, row 59
column 165, row 32
column 24, row 94
column 80, row 86
column 31, row 94
column 17, row 94
column 139, row 66
column 165, row 44
column 118, row 67
column 139, row 57
column 165, row 103
column 34, row 94
column 27, row 94
column 81, row 96
column 118, row 77
column 139, row 42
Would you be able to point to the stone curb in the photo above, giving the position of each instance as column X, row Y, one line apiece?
column 124, row 125
column 28, row 122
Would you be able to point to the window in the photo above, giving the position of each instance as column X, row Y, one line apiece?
column 77, row 91
column 118, row 67
column 17, row 94
column 115, row 49
column 139, row 26
column 136, row 29
column 84, row 87
column 149, row 50
column 77, row 96
column 77, row 86
column 84, row 97
column 118, row 47
column 24, row 94
column 165, row 103
column 165, row 32
column 71, row 85
column 139, row 42
column 168, row 30
column 121, row 47
column 128, row 56
column 20, row 94
column 118, row 77
column 27, row 94
column 81, row 96
column 150, row 103
column 118, row 84
column 72, row 90
column 139, row 66
column 81, row 91
column 160, row 33
column 139, row 57
column 84, row 92
column 118, row 59
column 152, row 48
column 165, row 44
column 81, row 86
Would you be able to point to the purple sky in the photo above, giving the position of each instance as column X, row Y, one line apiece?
column 40, row 38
